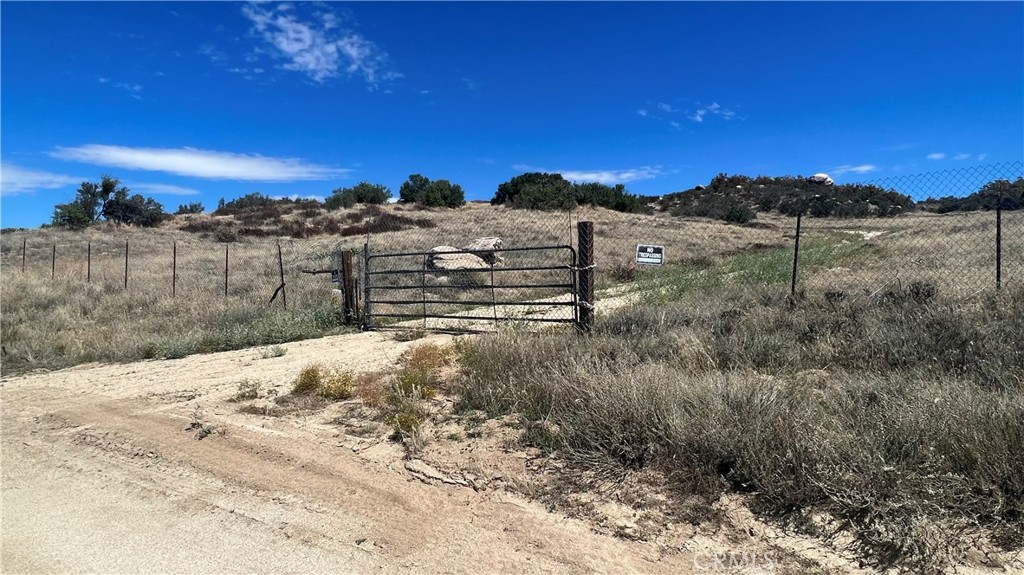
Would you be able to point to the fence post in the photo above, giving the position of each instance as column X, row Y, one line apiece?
column 280, row 268
column 796, row 253
column 585, row 241
column 88, row 263
column 125, row 264
column 53, row 262
column 226, row 269
column 348, row 290
column 999, row 246
column 367, row 307
column 174, row 268
column 24, row 241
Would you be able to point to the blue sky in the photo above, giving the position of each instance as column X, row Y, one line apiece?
column 193, row 101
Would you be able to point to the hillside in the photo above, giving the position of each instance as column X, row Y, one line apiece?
column 998, row 193
column 739, row 199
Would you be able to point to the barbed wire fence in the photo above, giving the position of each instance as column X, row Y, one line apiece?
column 167, row 266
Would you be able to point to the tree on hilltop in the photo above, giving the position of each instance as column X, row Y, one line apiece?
column 422, row 191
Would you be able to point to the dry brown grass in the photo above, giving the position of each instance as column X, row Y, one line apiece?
column 51, row 323
column 890, row 423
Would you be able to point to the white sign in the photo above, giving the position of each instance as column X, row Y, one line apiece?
column 650, row 254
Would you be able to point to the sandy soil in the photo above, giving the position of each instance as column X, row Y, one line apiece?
column 103, row 473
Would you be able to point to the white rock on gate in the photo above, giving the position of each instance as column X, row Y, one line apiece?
column 454, row 261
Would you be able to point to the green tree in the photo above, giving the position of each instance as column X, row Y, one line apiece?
column 134, row 210
column 442, row 193
column 361, row 193
column 536, row 191
column 414, row 190
column 192, row 208
column 421, row 190
column 71, row 215
column 90, row 200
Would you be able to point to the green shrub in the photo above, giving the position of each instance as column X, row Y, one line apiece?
column 361, row 193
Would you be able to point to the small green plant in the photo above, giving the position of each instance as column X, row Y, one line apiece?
column 202, row 429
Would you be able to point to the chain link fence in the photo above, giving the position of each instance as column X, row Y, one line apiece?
column 951, row 244
column 938, row 245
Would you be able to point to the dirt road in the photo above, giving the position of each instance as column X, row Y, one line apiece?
column 100, row 474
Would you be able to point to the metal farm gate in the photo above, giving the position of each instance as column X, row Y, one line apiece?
column 552, row 284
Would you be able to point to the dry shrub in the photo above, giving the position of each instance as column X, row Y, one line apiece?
column 326, row 382
column 905, row 444
column 370, row 387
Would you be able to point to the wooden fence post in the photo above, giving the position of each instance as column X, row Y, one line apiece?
column 24, row 243
column 53, row 262
column 88, row 263
column 174, row 269
column 585, row 241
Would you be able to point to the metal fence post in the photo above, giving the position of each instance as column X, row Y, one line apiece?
column 88, row 263
column 367, row 307
column 174, row 268
column 24, row 242
column 585, row 241
column 53, row 262
column 796, row 253
column 126, row 264
column 226, row 268
column 348, row 291
column 280, row 268
column 999, row 246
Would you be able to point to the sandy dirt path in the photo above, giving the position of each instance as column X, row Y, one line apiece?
column 100, row 475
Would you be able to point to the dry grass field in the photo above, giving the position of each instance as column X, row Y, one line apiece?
column 878, row 412
column 51, row 322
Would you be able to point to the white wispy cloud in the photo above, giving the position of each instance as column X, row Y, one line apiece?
column 962, row 157
column 607, row 177
column 208, row 164
column 936, row 156
column 899, row 147
column 641, row 112
column 666, row 107
column 213, row 53
column 318, row 47
column 17, row 180
column 470, row 84
column 133, row 90
column 712, row 109
column 851, row 169
column 162, row 189
column 981, row 157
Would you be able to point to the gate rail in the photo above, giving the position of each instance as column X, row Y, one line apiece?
column 370, row 274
